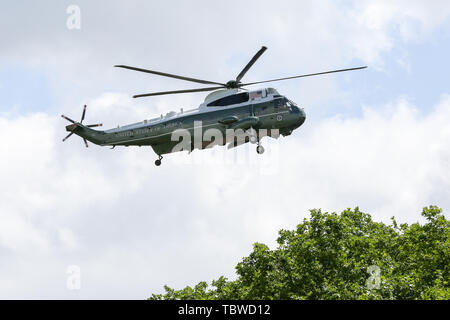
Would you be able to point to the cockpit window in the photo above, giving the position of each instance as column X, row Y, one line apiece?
column 272, row 91
column 229, row 100
column 290, row 103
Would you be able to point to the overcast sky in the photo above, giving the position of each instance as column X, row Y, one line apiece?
column 377, row 138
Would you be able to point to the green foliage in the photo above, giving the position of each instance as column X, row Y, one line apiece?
column 329, row 255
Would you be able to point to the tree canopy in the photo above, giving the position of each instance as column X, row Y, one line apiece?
column 341, row 256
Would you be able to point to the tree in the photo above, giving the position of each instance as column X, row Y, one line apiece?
column 341, row 256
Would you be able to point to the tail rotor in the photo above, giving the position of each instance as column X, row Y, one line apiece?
column 73, row 126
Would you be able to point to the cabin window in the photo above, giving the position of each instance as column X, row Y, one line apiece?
column 256, row 95
column 229, row 100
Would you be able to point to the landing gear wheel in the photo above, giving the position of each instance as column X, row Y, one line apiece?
column 158, row 162
column 259, row 149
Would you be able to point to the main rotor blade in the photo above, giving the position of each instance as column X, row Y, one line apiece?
column 68, row 119
column 301, row 76
column 83, row 114
column 169, row 75
column 67, row 137
column 249, row 65
column 177, row 91
column 94, row 125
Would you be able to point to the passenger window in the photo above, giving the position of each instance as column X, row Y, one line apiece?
column 255, row 95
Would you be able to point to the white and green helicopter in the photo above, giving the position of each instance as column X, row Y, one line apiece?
column 229, row 115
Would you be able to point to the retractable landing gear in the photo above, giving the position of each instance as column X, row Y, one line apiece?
column 259, row 148
column 158, row 162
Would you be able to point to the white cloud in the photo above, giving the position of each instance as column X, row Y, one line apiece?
column 411, row 19
column 390, row 160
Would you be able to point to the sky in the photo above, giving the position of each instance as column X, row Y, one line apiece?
column 376, row 138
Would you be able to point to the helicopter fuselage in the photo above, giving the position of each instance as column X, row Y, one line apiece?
column 267, row 114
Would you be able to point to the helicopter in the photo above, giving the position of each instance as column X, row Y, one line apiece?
column 230, row 115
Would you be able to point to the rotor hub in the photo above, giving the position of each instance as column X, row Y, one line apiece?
column 232, row 84
column 71, row 127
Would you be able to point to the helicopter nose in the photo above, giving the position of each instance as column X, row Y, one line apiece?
column 301, row 116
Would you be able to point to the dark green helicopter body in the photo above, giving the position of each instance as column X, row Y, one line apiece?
column 276, row 113
column 228, row 113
